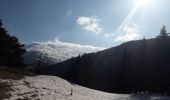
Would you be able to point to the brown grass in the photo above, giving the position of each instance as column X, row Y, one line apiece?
column 10, row 73
column 13, row 73
column 4, row 89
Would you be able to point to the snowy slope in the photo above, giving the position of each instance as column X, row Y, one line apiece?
column 56, row 50
column 54, row 88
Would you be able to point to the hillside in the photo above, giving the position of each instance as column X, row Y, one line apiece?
column 53, row 88
column 56, row 51
column 134, row 66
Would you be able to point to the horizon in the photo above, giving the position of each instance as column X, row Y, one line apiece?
column 104, row 23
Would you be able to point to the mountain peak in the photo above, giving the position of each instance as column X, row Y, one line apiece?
column 56, row 50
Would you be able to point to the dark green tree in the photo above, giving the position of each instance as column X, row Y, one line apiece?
column 42, row 61
column 40, row 64
column 163, row 32
column 11, row 51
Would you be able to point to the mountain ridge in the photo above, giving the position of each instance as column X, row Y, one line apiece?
column 133, row 66
column 56, row 51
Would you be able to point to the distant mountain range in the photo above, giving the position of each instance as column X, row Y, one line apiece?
column 56, row 51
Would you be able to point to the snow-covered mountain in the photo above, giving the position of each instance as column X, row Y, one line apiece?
column 56, row 51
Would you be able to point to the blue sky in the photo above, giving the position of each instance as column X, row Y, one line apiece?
column 102, row 23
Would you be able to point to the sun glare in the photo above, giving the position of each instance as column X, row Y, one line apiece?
column 143, row 2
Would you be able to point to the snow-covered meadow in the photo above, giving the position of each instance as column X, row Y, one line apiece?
column 54, row 88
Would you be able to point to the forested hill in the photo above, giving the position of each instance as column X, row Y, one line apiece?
column 135, row 66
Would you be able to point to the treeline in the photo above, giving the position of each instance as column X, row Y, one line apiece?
column 11, row 51
column 135, row 66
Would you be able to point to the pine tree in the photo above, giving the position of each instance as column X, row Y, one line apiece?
column 11, row 51
column 163, row 32
column 41, row 61
column 0, row 22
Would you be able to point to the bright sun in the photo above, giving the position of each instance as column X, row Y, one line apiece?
column 143, row 2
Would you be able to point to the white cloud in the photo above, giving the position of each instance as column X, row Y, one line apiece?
column 71, row 46
column 109, row 35
column 69, row 12
column 90, row 24
column 131, row 31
